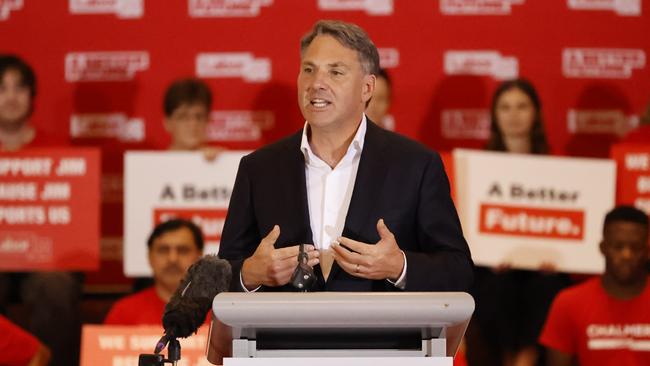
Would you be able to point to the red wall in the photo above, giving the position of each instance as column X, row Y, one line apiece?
column 535, row 33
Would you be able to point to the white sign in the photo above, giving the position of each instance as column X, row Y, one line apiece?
column 159, row 186
column 606, row 121
column 105, row 65
column 478, row 7
column 242, row 125
column 388, row 57
column 7, row 6
column 484, row 63
column 620, row 7
column 128, row 9
column 233, row 65
column 226, row 8
column 465, row 124
column 608, row 63
column 371, row 7
column 107, row 126
column 528, row 210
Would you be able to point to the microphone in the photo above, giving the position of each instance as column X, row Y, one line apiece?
column 188, row 307
column 303, row 278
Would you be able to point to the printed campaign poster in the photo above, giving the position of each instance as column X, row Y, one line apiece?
column 49, row 209
column 104, row 345
column 633, row 175
column 527, row 211
column 159, row 186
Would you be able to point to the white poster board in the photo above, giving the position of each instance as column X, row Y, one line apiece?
column 162, row 185
column 527, row 210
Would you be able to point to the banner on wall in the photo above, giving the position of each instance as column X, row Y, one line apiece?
column 159, row 186
column 49, row 209
column 633, row 175
column 530, row 210
column 103, row 345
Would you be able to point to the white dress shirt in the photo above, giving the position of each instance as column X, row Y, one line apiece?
column 329, row 191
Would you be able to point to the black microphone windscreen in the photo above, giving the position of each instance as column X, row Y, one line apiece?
column 189, row 305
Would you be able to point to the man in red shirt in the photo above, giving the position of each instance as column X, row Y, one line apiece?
column 606, row 320
column 174, row 246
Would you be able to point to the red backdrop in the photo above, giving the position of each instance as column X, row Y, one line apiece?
column 587, row 58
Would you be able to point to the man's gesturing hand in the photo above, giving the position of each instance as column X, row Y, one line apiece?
column 273, row 267
column 383, row 260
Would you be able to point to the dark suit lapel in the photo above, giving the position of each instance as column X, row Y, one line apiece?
column 296, row 172
column 297, row 180
column 367, row 188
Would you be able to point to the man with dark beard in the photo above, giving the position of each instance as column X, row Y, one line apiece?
column 606, row 320
column 174, row 246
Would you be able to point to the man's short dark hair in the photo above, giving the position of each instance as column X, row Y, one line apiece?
column 173, row 225
column 187, row 91
column 382, row 73
column 625, row 213
column 27, row 76
column 351, row 36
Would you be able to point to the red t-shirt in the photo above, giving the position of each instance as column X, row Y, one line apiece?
column 600, row 330
column 142, row 308
column 17, row 347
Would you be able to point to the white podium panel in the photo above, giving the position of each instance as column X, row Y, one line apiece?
column 343, row 328
column 340, row 361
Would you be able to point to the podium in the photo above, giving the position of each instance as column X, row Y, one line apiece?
column 344, row 328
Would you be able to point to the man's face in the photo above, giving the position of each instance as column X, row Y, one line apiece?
column 170, row 255
column 332, row 86
column 15, row 100
column 187, row 125
column 625, row 247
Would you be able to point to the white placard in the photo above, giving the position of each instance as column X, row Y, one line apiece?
column 161, row 185
column 527, row 210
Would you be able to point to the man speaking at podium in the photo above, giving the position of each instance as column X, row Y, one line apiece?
column 373, row 206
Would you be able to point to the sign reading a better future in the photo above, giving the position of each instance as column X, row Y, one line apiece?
column 527, row 211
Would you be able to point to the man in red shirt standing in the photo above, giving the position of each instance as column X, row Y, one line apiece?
column 174, row 246
column 606, row 320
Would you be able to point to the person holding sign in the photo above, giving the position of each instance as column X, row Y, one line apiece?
column 511, row 304
column 606, row 320
column 52, row 297
column 173, row 247
column 373, row 207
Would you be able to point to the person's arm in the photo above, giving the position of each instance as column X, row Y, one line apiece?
column 253, row 258
column 558, row 358
column 41, row 358
column 240, row 234
column 443, row 261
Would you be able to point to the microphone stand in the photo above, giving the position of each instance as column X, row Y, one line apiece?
column 156, row 359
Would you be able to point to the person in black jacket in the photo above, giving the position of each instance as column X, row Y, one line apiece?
column 374, row 207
